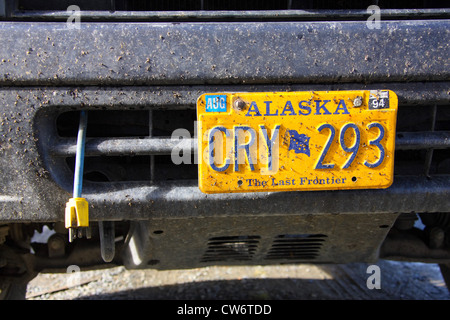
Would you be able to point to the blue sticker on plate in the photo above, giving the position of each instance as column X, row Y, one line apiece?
column 216, row 103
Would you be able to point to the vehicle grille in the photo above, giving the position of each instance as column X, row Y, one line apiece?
column 426, row 124
column 136, row 145
column 129, row 145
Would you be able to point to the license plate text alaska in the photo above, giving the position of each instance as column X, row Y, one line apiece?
column 275, row 141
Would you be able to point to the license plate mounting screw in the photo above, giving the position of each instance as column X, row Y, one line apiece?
column 239, row 104
column 358, row 101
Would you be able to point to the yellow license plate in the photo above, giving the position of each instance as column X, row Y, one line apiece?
column 286, row 141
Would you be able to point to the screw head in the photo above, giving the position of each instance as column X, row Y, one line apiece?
column 358, row 101
column 239, row 104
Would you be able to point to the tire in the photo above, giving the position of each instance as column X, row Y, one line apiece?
column 12, row 289
column 445, row 270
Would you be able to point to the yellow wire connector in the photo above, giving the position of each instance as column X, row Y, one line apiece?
column 77, row 215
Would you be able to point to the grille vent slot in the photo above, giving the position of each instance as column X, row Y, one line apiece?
column 296, row 247
column 231, row 248
column 221, row 10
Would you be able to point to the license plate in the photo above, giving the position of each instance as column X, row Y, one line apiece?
column 286, row 141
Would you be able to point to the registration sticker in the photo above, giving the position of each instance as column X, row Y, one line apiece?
column 216, row 103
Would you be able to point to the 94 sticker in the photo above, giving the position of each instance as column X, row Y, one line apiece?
column 379, row 99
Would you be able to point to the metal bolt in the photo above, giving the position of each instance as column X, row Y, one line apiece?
column 239, row 104
column 56, row 246
column 358, row 101
column 56, row 243
column 437, row 236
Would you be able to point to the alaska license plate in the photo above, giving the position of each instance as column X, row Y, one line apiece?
column 286, row 141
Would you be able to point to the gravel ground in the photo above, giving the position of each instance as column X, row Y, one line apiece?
column 399, row 280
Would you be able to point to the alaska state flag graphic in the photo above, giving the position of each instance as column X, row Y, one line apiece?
column 299, row 142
